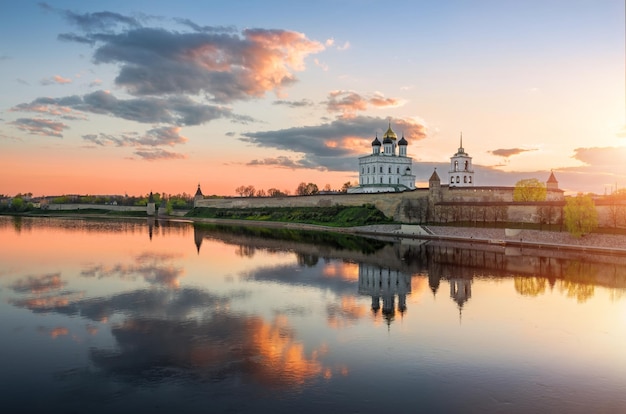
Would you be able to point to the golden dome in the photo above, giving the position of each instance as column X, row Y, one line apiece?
column 390, row 134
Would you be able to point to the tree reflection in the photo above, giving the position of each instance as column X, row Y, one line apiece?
column 579, row 277
column 582, row 292
column 530, row 286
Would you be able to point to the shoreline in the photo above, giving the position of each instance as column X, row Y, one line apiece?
column 590, row 243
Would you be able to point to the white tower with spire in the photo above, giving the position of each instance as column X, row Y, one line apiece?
column 461, row 172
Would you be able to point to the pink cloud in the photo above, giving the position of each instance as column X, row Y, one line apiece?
column 348, row 103
column 56, row 79
column 39, row 126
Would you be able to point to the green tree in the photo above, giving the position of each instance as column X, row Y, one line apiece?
column 581, row 216
column 17, row 204
column 530, row 189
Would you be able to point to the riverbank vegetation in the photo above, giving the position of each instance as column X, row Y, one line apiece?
column 337, row 216
column 338, row 241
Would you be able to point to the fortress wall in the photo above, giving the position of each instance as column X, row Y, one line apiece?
column 608, row 213
column 489, row 194
column 389, row 203
column 402, row 206
column 477, row 193
column 523, row 214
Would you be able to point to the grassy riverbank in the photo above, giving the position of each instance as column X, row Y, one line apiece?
column 335, row 216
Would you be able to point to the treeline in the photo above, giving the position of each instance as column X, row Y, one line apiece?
column 18, row 204
column 23, row 202
column 303, row 189
column 177, row 201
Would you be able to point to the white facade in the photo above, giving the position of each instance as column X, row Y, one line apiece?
column 388, row 171
column 461, row 172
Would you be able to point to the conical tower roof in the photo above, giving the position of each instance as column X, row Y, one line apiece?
column 552, row 178
column 435, row 176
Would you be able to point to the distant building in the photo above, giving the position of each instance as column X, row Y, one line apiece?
column 389, row 170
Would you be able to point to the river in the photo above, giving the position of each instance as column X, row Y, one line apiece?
column 121, row 316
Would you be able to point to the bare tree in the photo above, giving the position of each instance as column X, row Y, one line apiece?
column 307, row 189
column 249, row 191
column 245, row 190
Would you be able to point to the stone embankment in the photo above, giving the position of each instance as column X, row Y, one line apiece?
column 591, row 242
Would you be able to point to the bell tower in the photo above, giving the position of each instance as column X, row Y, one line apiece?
column 461, row 172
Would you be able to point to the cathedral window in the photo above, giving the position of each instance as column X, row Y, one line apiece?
column 368, row 170
column 458, row 180
column 381, row 169
column 456, row 166
column 389, row 170
column 398, row 170
column 465, row 179
column 470, row 178
column 381, row 180
column 466, row 165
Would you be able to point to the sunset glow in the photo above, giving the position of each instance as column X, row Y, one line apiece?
column 121, row 98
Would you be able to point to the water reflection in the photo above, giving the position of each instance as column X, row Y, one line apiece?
column 154, row 268
column 130, row 314
column 215, row 348
column 385, row 284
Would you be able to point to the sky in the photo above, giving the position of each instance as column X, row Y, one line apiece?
column 128, row 97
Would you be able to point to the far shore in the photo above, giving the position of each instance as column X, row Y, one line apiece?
column 594, row 242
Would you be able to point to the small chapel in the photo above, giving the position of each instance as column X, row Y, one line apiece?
column 388, row 168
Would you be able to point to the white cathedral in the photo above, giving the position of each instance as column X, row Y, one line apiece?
column 388, row 171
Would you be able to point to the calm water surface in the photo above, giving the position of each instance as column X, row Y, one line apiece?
column 118, row 316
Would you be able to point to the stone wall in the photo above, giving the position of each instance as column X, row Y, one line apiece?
column 412, row 206
column 391, row 204
column 611, row 214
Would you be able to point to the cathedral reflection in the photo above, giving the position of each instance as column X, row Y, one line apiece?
column 385, row 284
column 460, row 291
